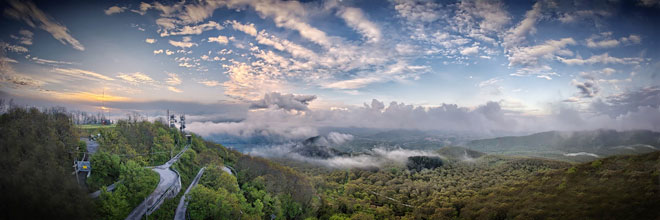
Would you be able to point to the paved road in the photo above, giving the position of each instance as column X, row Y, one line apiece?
column 180, row 213
column 183, row 204
column 91, row 145
column 168, row 178
column 110, row 188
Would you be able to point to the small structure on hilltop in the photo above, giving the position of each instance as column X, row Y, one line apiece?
column 82, row 166
column 182, row 122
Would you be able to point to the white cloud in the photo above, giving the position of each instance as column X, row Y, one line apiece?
column 632, row 39
column 220, row 39
column 470, row 50
column 529, row 56
column 581, row 15
column 114, row 10
column 174, row 89
column 81, row 73
column 13, row 48
column 418, row 10
column 33, row 16
column 158, row 51
column 24, row 37
column 136, row 78
column 150, row 40
column 210, row 83
column 245, row 28
column 488, row 82
column 173, row 79
column 604, row 58
column 356, row 19
column 182, row 44
column 189, row 30
column 518, row 33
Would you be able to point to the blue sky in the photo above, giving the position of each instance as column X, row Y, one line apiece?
column 531, row 58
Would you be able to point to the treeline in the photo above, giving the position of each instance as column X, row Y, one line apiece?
column 37, row 150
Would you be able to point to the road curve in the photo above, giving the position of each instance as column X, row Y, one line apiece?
column 180, row 213
column 167, row 187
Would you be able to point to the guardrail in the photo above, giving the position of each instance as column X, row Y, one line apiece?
column 171, row 192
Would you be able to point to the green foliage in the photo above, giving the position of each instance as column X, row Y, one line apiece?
column 621, row 187
column 418, row 163
column 571, row 170
column 106, row 170
column 596, row 163
column 279, row 181
column 137, row 183
column 143, row 142
column 37, row 153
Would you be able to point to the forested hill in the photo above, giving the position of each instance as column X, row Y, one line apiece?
column 38, row 148
column 36, row 152
column 598, row 142
column 619, row 187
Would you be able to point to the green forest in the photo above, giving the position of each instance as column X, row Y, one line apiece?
column 39, row 146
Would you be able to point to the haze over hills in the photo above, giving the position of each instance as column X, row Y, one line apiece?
column 576, row 145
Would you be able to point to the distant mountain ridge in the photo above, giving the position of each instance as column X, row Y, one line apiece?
column 578, row 143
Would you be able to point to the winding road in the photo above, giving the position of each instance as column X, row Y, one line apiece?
column 180, row 213
column 168, row 187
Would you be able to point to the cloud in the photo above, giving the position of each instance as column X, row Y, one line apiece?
column 518, row 33
column 632, row 39
column 604, row 58
column 376, row 157
column 489, row 82
column 245, row 28
column 24, row 37
column 8, row 76
column 81, row 73
column 173, row 79
column 47, row 61
column 470, row 50
column 649, row 3
column 182, row 44
column 339, row 138
column 169, row 52
column 629, row 101
column 283, row 101
column 174, row 89
column 418, row 10
column 529, row 56
column 114, row 10
column 588, row 89
column 210, row 83
column 33, row 16
column 136, row 78
column 12, row 48
column 220, row 39
column 158, row 51
column 581, row 15
column 481, row 19
column 189, row 30
column 604, row 40
column 150, row 40
column 356, row 19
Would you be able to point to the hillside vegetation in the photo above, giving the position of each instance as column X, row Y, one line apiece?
column 456, row 183
column 558, row 145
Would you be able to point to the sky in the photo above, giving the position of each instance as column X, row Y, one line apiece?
column 288, row 67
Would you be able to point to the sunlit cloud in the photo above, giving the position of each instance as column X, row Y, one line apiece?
column 81, row 73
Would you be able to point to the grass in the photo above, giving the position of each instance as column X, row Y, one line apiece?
column 95, row 126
